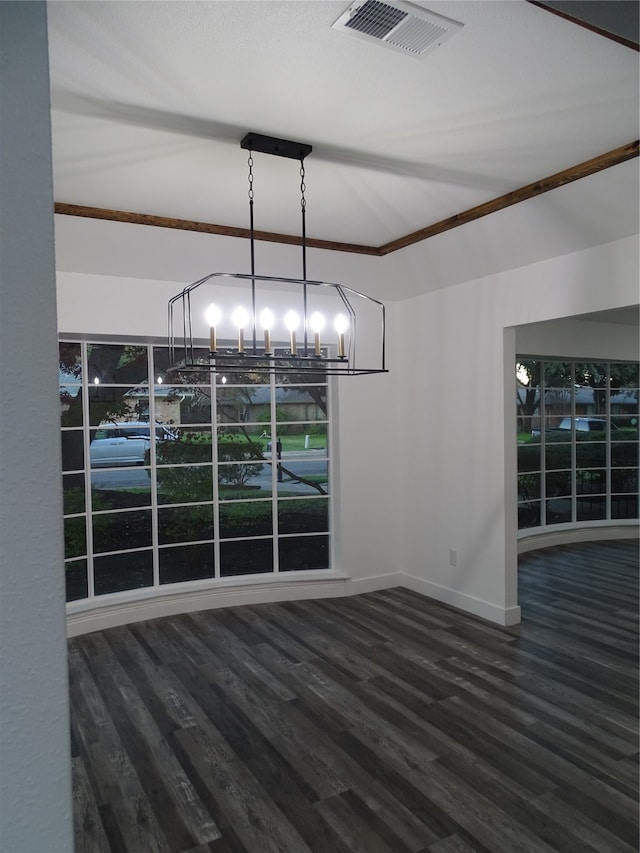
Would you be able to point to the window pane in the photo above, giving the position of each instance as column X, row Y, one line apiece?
column 250, row 556
column 624, row 454
column 185, row 524
column 300, row 475
column 558, row 483
column 558, row 378
column 119, row 531
column 70, row 373
column 188, row 445
column 624, row 427
column 624, row 506
column 528, row 430
column 301, row 403
column 591, row 482
column 117, row 572
column 75, row 536
column 120, row 489
column 528, row 514
column 177, row 377
column 528, row 375
column 529, row 487
column 188, row 563
column 73, row 494
column 113, row 405
column 122, row 364
column 75, row 578
column 70, row 363
column 72, row 450
column 303, row 436
column 558, row 511
column 71, row 405
column 177, row 405
column 303, row 516
column 304, row 553
column 529, row 457
column 624, row 480
column 257, row 435
column 245, row 518
column 590, row 454
column 558, row 455
column 591, row 508
column 558, row 374
column 243, row 404
column 242, row 473
column 185, row 484
column 591, row 391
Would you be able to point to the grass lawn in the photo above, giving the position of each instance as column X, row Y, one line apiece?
column 296, row 442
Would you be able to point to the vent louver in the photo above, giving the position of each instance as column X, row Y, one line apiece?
column 401, row 26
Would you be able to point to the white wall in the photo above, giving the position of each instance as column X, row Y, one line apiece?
column 580, row 339
column 427, row 453
column 456, row 378
column 35, row 783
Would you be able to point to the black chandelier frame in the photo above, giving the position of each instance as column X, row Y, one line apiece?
column 185, row 349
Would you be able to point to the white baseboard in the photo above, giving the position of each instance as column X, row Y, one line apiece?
column 374, row 583
column 462, row 601
column 83, row 617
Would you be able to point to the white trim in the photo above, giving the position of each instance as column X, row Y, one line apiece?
column 570, row 534
column 467, row 603
column 111, row 610
column 376, row 582
column 137, row 605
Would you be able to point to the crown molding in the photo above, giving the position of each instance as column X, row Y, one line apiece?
column 574, row 173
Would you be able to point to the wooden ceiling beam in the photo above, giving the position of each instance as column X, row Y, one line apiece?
column 574, row 173
column 206, row 228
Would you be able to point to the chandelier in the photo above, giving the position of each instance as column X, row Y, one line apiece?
column 250, row 323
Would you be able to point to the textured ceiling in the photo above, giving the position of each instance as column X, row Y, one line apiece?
column 150, row 100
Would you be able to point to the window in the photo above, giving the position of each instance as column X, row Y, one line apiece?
column 232, row 480
column 577, row 441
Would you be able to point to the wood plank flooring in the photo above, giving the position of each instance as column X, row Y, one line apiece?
column 381, row 723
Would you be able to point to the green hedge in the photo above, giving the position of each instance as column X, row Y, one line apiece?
column 589, row 453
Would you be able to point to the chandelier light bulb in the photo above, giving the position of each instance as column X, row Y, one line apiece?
column 316, row 321
column 213, row 315
column 240, row 318
column 291, row 322
column 267, row 318
column 341, row 324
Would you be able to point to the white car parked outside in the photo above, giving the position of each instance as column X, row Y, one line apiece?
column 124, row 443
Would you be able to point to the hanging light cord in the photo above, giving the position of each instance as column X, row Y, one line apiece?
column 253, row 250
column 303, row 211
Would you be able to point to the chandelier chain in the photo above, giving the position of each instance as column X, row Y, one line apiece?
column 303, row 186
column 250, row 165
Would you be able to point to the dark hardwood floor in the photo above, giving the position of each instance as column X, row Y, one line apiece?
column 382, row 723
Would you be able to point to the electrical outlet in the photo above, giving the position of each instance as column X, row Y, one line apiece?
column 453, row 557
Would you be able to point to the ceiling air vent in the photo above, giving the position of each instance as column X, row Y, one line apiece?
column 404, row 27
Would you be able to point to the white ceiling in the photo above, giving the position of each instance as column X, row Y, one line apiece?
column 151, row 99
